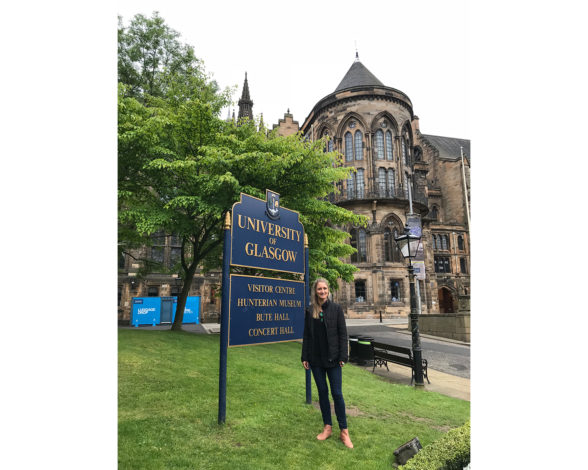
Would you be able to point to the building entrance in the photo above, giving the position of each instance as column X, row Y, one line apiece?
column 445, row 301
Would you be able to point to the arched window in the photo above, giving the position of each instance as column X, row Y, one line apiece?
column 353, row 243
column 434, row 213
column 329, row 144
column 389, row 149
column 348, row 147
column 358, row 242
column 379, row 144
column 405, row 146
column 360, row 184
column 388, row 244
column 444, row 242
column 361, row 246
column 391, row 177
column 351, row 186
column 358, row 145
column 382, row 181
column 396, row 254
column 460, row 245
column 391, row 252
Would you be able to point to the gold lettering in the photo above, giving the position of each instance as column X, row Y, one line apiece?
column 239, row 222
column 290, row 303
column 248, row 248
column 260, row 288
column 250, row 224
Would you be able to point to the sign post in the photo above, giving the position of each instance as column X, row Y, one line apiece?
column 254, row 309
column 306, row 305
column 224, row 331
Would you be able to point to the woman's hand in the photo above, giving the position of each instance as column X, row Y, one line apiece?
column 341, row 363
column 306, row 365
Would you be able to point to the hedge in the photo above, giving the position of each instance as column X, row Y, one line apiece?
column 451, row 452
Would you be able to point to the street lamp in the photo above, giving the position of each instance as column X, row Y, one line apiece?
column 409, row 245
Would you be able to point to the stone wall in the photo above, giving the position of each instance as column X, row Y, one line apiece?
column 447, row 325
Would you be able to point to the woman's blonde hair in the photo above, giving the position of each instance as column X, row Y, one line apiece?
column 314, row 300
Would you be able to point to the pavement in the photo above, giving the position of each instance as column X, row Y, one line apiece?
column 446, row 384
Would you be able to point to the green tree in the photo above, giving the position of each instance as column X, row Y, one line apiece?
column 151, row 57
column 181, row 168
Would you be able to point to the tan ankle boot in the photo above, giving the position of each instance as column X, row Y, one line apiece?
column 345, row 438
column 326, row 433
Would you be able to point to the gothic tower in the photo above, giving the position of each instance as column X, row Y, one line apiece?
column 245, row 103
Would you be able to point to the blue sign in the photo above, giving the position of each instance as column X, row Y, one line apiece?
column 191, row 310
column 146, row 311
column 413, row 222
column 266, row 236
column 265, row 310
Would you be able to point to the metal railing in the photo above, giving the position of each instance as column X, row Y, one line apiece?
column 373, row 190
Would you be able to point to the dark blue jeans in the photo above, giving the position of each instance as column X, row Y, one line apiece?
column 335, row 379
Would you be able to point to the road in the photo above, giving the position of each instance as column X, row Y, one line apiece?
column 442, row 356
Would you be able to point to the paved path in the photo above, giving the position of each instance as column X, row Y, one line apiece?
column 449, row 360
column 443, row 354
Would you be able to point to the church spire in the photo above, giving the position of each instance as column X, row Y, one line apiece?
column 245, row 103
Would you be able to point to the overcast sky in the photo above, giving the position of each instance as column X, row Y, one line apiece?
column 295, row 53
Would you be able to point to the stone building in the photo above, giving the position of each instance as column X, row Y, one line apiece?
column 375, row 129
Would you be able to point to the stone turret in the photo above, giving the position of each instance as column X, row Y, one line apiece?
column 245, row 103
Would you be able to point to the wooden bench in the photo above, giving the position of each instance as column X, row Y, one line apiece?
column 384, row 353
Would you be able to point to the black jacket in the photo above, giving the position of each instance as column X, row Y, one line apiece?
column 336, row 333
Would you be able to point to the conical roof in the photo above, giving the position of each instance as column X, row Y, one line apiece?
column 245, row 103
column 358, row 75
column 245, row 94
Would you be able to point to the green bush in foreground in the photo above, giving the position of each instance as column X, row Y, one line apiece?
column 450, row 452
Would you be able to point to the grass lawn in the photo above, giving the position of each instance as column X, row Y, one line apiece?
column 168, row 409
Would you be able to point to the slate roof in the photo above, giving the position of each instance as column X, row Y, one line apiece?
column 358, row 75
column 449, row 147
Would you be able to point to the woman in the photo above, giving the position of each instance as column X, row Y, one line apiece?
column 324, row 352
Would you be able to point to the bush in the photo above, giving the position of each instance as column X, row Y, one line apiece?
column 451, row 452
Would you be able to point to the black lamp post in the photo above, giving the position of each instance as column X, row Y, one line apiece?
column 408, row 245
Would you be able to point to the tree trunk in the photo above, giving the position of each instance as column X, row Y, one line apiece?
column 188, row 278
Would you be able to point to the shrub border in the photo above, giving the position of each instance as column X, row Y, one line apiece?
column 450, row 452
